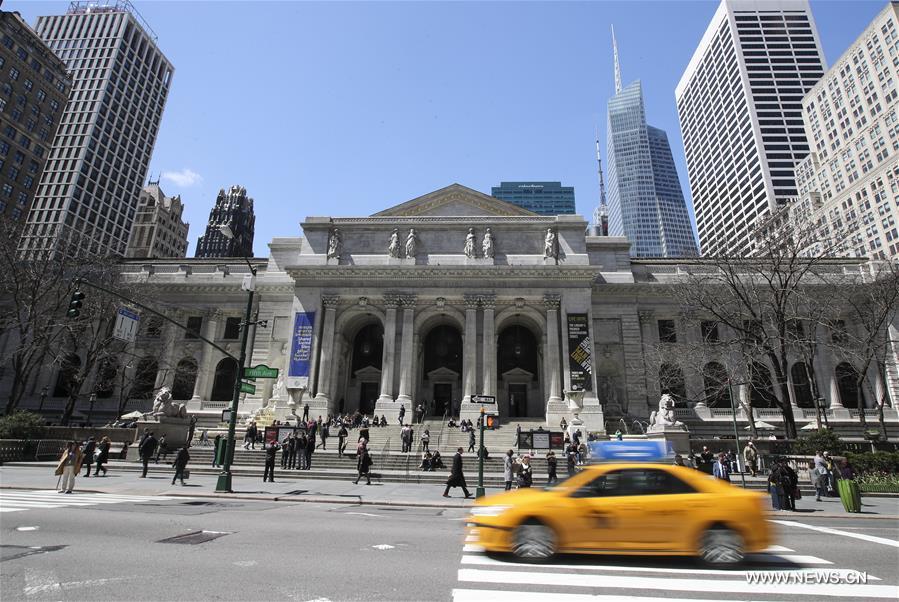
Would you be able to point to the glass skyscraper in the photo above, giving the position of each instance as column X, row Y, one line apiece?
column 544, row 198
column 646, row 203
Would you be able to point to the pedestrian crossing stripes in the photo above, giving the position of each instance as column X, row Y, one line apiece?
column 20, row 500
column 480, row 577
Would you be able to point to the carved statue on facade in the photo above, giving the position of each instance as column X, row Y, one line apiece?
column 411, row 243
column 278, row 389
column 470, row 244
column 335, row 244
column 393, row 248
column 164, row 406
column 487, row 245
column 550, row 250
column 664, row 417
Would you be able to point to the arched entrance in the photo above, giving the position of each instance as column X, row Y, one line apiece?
column 802, row 387
column 223, row 384
column 517, row 364
column 761, row 391
column 847, row 378
column 185, row 379
column 441, row 372
column 364, row 378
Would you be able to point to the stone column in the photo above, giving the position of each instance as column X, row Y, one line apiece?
column 166, row 373
column 470, row 349
column 488, row 347
column 552, row 302
column 206, row 366
column 326, row 364
column 388, row 358
column 407, row 347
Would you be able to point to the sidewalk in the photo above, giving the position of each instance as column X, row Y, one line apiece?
column 159, row 479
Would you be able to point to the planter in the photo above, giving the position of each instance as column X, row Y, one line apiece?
column 849, row 495
column 878, row 488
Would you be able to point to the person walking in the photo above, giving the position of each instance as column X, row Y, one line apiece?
column 292, row 451
column 326, row 432
column 162, row 449
column 507, row 469
column 402, row 414
column 249, row 438
column 301, row 451
column 571, row 459
column 68, row 466
column 285, row 452
column 271, row 452
column 146, row 451
column 751, row 458
column 551, row 476
column 404, row 438
column 525, row 473
column 310, row 448
column 721, row 468
column 425, row 440
column 791, row 486
column 305, row 412
column 363, row 464
column 182, row 457
column 341, row 440
column 420, row 412
column 456, row 478
column 87, row 453
column 819, row 477
column 102, row 456
column 518, row 436
column 471, row 441
column 776, row 486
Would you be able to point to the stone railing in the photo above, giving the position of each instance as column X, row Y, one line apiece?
column 684, row 413
column 215, row 405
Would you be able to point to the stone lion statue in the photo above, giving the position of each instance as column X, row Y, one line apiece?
column 664, row 417
column 164, row 406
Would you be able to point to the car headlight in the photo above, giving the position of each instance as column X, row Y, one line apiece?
column 488, row 510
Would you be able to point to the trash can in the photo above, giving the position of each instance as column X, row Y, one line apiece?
column 219, row 452
column 849, row 495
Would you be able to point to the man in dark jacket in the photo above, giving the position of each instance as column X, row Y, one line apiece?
column 271, row 452
column 305, row 412
column 456, row 478
column 341, row 440
column 285, row 451
column 88, row 449
column 363, row 463
column 310, row 448
column 471, row 441
column 301, row 451
column 180, row 463
column 402, row 414
column 146, row 451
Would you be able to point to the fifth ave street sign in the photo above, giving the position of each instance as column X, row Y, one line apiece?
column 127, row 323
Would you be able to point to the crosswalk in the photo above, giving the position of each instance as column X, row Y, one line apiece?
column 499, row 579
column 19, row 500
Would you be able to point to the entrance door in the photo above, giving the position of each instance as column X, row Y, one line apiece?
column 518, row 400
column 443, row 398
column 368, row 396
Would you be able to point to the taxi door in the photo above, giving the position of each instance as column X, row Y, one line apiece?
column 603, row 515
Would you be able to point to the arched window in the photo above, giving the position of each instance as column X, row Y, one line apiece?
column 761, row 391
column 517, row 348
column 106, row 375
column 443, row 349
column 671, row 381
column 68, row 370
column 185, row 379
column 802, row 386
column 368, row 346
column 847, row 378
column 144, row 378
column 715, row 382
column 223, row 385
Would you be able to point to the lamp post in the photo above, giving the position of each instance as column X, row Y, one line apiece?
column 479, row 492
column 733, row 414
column 43, row 398
column 223, row 485
column 90, row 412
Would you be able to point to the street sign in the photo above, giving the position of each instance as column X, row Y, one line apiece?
column 247, row 387
column 260, row 371
column 126, row 325
column 226, row 416
column 485, row 399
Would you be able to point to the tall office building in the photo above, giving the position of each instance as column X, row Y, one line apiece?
column 543, row 198
column 99, row 158
column 158, row 230
column 235, row 210
column 739, row 104
column 34, row 91
column 646, row 203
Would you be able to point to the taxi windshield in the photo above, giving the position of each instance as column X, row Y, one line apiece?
column 626, row 482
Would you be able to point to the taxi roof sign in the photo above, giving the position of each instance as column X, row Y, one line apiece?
column 630, row 451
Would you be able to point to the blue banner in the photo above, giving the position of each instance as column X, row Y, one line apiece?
column 301, row 345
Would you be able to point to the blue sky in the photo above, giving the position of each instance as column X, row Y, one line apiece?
column 347, row 108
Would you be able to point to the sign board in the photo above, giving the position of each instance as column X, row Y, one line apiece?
column 226, row 415
column 484, row 399
column 301, row 344
column 580, row 353
column 260, row 371
column 247, row 387
column 127, row 323
column 630, row 451
column 541, row 440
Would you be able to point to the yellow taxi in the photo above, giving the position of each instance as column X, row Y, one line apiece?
column 647, row 508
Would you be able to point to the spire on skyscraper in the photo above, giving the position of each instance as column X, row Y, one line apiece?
column 600, row 225
column 617, row 66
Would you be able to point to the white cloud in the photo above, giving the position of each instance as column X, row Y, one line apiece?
column 184, row 178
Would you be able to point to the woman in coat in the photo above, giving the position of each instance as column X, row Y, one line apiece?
column 69, row 465
column 102, row 456
column 525, row 473
column 507, row 469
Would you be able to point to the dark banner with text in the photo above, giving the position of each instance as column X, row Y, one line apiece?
column 580, row 353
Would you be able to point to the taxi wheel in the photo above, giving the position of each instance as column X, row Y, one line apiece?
column 534, row 542
column 721, row 547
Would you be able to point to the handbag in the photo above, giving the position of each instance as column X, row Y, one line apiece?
column 797, row 493
column 185, row 474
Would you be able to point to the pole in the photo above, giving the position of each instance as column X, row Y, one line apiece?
column 733, row 414
column 223, row 484
column 479, row 492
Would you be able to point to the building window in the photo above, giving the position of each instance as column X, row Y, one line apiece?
column 709, row 331
column 667, row 331
column 13, row 73
column 232, row 328
column 194, row 324
column 154, row 328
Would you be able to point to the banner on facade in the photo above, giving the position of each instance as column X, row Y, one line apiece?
column 580, row 353
column 301, row 344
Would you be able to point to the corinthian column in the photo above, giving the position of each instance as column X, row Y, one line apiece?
column 406, row 349
column 205, row 366
column 488, row 353
column 470, row 350
column 554, row 376
column 390, row 301
column 326, row 364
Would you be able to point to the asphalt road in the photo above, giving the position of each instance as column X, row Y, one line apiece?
column 112, row 548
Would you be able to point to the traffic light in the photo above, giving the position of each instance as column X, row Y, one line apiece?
column 491, row 422
column 75, row 304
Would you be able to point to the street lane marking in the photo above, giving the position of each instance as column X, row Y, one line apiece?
column 19, row 500
column 479, row 595
column 365, row 514
column 794, row 558
column 472, row 548
column 670, row 584
column 862, row 536
column 773, row 549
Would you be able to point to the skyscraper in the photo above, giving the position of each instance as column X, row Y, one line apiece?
column 739, row 105
column 34, row 91
column 235, row 210
column 99, row 157
column 646, row 203
column 158, row 230
column 543, row 198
